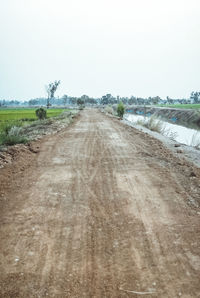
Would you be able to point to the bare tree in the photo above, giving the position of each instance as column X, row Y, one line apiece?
column 51, row 89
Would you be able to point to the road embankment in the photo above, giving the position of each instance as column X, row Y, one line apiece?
column 99, row 210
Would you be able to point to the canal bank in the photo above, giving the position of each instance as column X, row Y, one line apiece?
column 186, row 117
column 189, row 153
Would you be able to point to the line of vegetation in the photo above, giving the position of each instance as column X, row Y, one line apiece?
column 118, row 111
column 181, row 106
column 15, row 129
column 104, row 100
column 26, row 114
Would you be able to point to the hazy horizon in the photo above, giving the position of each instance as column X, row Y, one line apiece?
column 132, row 47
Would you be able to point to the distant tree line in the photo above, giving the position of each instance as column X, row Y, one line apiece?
column 107, row 99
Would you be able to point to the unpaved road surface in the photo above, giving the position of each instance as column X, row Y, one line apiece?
column 99, row 210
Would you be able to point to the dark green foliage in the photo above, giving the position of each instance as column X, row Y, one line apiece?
column 120, row 110
column 41, row 113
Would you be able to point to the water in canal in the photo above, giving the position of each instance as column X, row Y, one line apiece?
column 180, row 133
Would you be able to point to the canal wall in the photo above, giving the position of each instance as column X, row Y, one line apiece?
column 186, row 117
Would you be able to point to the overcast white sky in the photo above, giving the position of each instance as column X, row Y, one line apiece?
column 124, row 47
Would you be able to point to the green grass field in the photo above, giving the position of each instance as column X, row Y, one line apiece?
column 25, row 114
column 11, row 121
column 184, row 106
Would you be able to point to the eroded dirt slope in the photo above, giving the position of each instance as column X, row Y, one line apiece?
column 102, row 210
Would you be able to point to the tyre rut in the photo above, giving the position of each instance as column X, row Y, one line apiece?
column 100, row 217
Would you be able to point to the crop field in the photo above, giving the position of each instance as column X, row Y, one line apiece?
column 184, row 106
column 12, row 121
column 25, row 114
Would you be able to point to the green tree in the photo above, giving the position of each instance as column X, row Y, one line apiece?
column 80, row 101
column 106, row 99
column 155, row 100
column 195, row 97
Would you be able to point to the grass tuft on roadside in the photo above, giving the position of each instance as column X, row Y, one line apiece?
column 109, row 110
column 11, row 133
column 152, row 123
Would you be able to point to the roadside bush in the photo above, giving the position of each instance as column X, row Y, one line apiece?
column 11, row 135
column 152, row 123
column 41, row 113
column 15, row 131
column 12, row 140
column 6, row 126
column 109, row 110
column 120, row 110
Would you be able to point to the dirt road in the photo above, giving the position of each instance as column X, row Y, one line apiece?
column 102, row 210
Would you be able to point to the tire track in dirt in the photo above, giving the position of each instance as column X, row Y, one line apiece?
column 101, row 214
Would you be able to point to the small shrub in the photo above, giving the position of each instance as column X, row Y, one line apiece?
column 10, row 133
column 15, row 131
column 41, row 114
column 153, row 124
column 6, row 126
column 109, row 110
column 12, row 140
column 120, row 110
column 12, row 136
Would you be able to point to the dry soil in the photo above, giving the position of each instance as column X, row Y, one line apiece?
column 99, row 210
